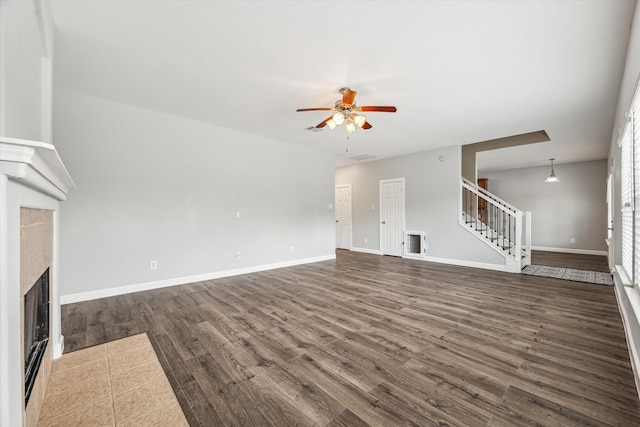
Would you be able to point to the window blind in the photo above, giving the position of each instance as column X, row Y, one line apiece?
column 626, row 199
column 635, row 137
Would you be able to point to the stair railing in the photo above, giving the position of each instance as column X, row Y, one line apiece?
column 499, row 223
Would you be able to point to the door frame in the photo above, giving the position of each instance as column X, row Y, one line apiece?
column 381, row 210
column 350, row 213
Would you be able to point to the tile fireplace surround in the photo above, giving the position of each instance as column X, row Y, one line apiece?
column 33, row 182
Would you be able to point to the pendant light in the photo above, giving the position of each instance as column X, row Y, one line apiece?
column 552, row 177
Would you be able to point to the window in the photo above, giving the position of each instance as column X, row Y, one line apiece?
column 630, row 192
column 635, row 137
column 626, row 199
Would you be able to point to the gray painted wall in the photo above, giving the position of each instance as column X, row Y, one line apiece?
column 151, row 186
column 574, row 207
column 23, row 79
column 432, row 199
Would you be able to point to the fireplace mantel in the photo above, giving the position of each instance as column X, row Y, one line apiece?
column 36, row 165
column 32, row 177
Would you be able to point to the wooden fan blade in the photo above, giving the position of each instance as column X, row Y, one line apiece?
column 348, row 96
column 315, row 109
column 384, row 109
column 324, row 122
column 367, row 125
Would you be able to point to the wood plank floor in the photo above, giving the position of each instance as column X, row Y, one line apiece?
column 578, row 261
column 372, row 340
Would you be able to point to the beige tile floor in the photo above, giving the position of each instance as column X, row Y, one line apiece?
column 120, row 383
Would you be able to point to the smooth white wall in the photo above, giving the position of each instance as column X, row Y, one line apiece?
column 575, row 207
column 23, row 73
column 152, row 186
column 432, row 204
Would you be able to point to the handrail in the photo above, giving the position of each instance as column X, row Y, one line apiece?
column 481, row 191
column 501, row 225
column 495, row 203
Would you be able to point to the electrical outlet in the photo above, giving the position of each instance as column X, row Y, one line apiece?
column 153, row 265
column 290, row 249
column 237, row 255
column 366, row 240
column 573, row 240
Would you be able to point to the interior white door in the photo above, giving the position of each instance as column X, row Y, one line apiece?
column 343, row 217
column 391, row 216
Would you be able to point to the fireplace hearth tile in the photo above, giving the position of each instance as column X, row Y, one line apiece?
column 169, row 415
column 87, row 394
column 122, row 361
column 128, row 344
column 99, row 414
column 150, row 396
column 80, row 357
column 114, row 384
column 125, row 380
column 63, row 379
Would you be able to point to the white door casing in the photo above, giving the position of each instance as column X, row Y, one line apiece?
column 391, row 216
column 343, row 216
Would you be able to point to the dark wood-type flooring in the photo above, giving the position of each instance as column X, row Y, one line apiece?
column 372, row 340
column 580, row 262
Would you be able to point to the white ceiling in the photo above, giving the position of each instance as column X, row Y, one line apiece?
column 459, row 71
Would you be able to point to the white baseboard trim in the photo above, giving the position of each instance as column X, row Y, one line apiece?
column 570, row 251
column 459, row 262
column 366, row 251
column 464, row 263
column 58, row 348
column 121, row 290
column 628, row 299
column 413, row 256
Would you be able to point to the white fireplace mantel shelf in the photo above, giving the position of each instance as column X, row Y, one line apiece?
column 36, row 165
column 32, row 176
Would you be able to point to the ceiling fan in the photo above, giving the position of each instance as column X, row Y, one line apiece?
column 348, row 113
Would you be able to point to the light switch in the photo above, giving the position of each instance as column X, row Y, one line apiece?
column 238, row 214
column 330, row 206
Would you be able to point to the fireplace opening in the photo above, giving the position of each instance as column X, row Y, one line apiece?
column 36, row 330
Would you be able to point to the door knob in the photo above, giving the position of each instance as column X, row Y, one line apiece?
column 384, row 222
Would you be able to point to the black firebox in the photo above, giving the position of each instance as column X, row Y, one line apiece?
column 36, row 330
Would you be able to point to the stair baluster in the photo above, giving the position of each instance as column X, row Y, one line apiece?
column 498, row 223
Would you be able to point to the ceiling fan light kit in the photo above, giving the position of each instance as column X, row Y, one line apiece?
column 359, row 120
column 347, row 113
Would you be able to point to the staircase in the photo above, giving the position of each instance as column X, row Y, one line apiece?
column 503, row 227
